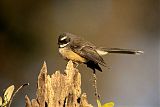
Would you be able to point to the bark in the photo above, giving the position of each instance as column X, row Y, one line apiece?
column 59, row 90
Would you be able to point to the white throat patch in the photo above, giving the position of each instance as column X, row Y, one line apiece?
column 63, row 45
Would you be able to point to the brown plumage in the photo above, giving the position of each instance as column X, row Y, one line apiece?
column 75, row 48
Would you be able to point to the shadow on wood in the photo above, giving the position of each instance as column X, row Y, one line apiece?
column 59, row 90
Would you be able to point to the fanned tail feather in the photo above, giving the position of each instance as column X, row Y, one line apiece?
column 120, row 51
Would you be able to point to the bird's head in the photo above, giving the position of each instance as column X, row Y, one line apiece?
column 64, row 40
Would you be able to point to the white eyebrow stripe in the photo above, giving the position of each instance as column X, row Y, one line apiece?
column 63, row 38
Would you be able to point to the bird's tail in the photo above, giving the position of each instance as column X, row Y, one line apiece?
column 104, row 51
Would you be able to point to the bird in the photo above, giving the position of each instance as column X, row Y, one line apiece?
column 77, row 49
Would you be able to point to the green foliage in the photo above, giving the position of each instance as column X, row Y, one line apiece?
column 7, row 96
column 110, row 104
column 1, row 100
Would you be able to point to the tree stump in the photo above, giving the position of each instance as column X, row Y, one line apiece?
column 59, row 90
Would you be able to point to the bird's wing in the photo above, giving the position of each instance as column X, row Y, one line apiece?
column 88, row 52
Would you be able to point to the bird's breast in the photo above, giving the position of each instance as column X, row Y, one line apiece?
column 70, row 55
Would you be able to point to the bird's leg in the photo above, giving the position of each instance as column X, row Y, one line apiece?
column 76, row 64
column 95, row 85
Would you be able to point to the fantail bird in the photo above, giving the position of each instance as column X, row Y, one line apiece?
column 75, row 48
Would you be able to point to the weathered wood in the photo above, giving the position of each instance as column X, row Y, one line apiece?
column 59, row 90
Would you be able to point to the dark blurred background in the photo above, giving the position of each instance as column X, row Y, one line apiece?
column 28, row 37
